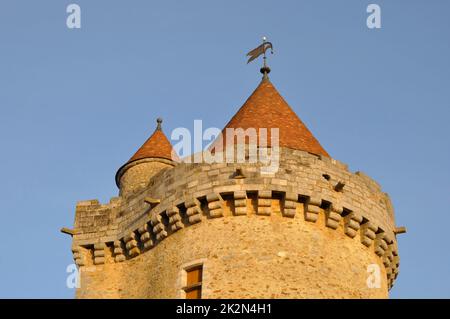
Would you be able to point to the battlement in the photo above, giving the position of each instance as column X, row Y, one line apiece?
column 287, row 222
column 309, row 188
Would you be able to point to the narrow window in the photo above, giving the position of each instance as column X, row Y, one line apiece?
column 193, row 288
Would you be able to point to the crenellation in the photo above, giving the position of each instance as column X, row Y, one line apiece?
column 334, row 212
column 307, row 229
column 340, row 165
column 388, row 205
column 136, row 228
column 373, row 185
column 88, row 203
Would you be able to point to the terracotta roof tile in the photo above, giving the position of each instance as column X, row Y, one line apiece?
column 157, row 146
column 266, row 108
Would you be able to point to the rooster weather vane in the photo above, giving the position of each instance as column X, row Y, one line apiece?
column 253, row 54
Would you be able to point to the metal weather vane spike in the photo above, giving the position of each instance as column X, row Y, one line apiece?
column 256, row 52
column 253, row 54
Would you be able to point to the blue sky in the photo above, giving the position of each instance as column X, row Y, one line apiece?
column 76, row 104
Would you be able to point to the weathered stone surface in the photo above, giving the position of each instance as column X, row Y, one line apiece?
column 251, row 258
column 285, row 235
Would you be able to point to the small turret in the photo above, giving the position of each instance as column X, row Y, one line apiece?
column 153, row 156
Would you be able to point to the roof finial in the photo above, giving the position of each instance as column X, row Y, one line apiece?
column 159, row 121
column 253, row 54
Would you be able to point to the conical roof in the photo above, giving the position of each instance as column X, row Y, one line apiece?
column 156, row 146
column 266, row 108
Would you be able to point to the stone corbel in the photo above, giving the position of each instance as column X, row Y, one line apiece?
column 264, row 202
column 131, row 244
column 158, row 227
column 333, row 216
column 368, row 233
column 240, row 203
column 145, row 237
column 352, row 223
column 99, row 253
column 312, row 209
column 381, row 244
column 174, row 218
column 215, row 205
column 290, row 204
column 78, row 256
column 193, row 210
column 118, row 251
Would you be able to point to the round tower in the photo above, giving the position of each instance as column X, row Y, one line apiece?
column 153, row 156
column 311, row 228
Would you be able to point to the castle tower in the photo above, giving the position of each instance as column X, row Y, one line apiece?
column 310, row 229
column 153, row 156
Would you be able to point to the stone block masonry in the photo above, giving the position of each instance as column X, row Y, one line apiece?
column 292, row 235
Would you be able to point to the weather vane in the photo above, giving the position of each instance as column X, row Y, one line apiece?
column 253, row 54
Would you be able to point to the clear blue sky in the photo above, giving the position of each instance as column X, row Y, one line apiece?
column 76, row 104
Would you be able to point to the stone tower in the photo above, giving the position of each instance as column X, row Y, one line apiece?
column 310, row 229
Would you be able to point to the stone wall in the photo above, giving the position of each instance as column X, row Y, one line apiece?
column 244, row 257
column 211, row 211
column 134, row 176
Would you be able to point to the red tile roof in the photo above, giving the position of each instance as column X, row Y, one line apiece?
column 266, row 108
column 157, row 146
